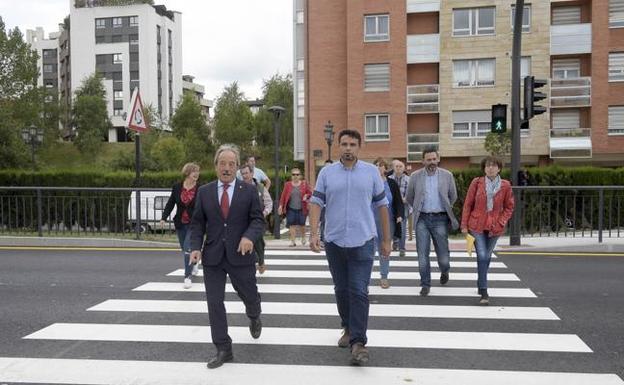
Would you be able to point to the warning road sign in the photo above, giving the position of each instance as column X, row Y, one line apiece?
column 136, row 119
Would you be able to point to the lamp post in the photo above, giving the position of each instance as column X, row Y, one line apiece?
column 277, row 111
column 329, row 137
column 34, row 136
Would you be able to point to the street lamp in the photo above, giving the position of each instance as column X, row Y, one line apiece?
column 277, row 111
column 33, row 136
column 329, row 137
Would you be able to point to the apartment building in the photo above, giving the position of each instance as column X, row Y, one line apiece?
column 199, row 91
column 414, row 73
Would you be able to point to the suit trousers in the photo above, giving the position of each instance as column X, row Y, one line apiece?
column 243, row 279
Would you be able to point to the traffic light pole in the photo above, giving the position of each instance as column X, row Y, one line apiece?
column 514, row 228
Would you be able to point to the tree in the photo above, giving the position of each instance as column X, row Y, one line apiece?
column 89, row 115
column 20, row 99
column 498, row 144
column 233, row 118
column 190, row 127
column 278, row 90
column 168, row 153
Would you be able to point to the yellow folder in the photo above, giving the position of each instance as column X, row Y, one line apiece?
column 470, row 240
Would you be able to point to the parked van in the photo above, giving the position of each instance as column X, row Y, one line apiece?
column 152, row 206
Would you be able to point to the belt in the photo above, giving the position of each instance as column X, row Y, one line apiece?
column 440, row 213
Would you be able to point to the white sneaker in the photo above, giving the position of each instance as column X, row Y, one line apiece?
column 195, row 269
column 187, row 283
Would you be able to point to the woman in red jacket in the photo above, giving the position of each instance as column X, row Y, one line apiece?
column 294, row 203
column 487, row 208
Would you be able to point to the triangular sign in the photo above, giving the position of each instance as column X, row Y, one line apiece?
column 136, row 119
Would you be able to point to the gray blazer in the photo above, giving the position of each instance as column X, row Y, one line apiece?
column 446, row 187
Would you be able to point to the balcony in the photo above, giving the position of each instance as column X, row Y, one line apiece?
column 575, row 92
column 570, row 39
column 416, row 143
column 421, row 6
column 423, row 99
column 566, row 143
column 423, row 48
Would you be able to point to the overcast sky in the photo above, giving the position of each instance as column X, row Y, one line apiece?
column 222, row 40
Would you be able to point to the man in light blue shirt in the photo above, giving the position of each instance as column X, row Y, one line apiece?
column 257, row 173
column 347, row 189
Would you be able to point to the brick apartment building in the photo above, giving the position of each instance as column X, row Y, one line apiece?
column 413, row 73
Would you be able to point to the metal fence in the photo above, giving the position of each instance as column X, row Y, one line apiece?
column 568, row 211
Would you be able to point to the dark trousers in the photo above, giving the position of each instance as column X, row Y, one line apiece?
column 243, row 280
column 259, row 246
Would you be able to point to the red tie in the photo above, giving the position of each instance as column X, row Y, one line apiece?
column 225, row 201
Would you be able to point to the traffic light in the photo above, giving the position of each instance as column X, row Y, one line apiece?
column 499, row 118
column 531, row 97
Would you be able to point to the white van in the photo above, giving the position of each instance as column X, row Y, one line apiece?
column 152, row 206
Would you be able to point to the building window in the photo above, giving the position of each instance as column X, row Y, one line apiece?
column 117, row 22
column 99, row 40
column 473, row 72
column 48, row 52
column 49, row 84
column 377, row 127
column 118, row 95
column 118, row 112
column 616, row 120
column 566, row 15
column 134, row 39
column 417, row 143
column 300, row 64
column 376, row 77
column 134, row 75
column 526, row 18
column 616, row 13
column 566, row 68
column 525, row 66
column 471, row 124
column 117, row 58
column 474, row 21
column 134, row 21
column 376, row 27
column 616, row 66
column 116, row 39
column 300, row 17
column 48, row 68
column 100, row 23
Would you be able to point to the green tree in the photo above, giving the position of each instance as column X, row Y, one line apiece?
column 89, row 115
column 20, row 99
column 498, row 144
column 189, row 126
column 278, row 90
column 233, row 119
column 168, row 153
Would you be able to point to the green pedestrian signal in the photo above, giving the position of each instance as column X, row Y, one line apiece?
column 499, row 118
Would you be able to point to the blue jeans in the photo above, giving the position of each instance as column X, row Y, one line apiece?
column 351, row 268
column 184, row 238
column 403, row 229
column 384, row 263
column 428, row 227
column 484, row 244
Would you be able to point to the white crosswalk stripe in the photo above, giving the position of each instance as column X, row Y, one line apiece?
column 297, row 286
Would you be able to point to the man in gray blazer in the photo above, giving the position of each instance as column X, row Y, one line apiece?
column 431, row 192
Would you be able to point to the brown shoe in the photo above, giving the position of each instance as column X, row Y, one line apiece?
column 261, row 269
column 384, row 283
column 343, row 342
column 359, row 354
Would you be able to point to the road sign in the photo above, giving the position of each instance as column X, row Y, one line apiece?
column 499, row 118
column 136, row 119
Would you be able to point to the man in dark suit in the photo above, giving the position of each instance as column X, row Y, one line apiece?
column 228, row 213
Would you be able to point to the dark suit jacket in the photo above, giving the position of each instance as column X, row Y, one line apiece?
column 223, row 236
column 175, row 199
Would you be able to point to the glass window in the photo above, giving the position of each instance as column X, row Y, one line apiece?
column 616, row 13
column 616, row 66
column 566, row 15
column 471, row 124
column 117, row 22
column 300, row 64
column 526, row 18
column 118, row 94
column 376, row 27
column 474, row 72
column 616, row 120
column 134, row 21
column 376, row 77
column 48, row 68
column 116, row 39
column 134, row 39
column 100, row 23
column 300, row 17
column 377, row 127
column 474, row 21
column 117, row 58
column 566, row 68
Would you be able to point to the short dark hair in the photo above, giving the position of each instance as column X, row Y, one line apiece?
column 351, row 133
column 329, row 161
column 491, row 160
column 245, row 166
column 430, row 149
column 249, row 157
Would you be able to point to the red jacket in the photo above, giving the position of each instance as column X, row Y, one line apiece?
column 306, row 193
column 475, row 216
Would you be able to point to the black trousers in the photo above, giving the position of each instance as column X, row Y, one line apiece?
column 243, row 279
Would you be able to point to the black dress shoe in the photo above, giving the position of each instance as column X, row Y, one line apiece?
column 220, row 358
column 424, row 291
column 444, row 277
column 255, row 327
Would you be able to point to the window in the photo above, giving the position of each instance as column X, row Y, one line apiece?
column 300, row 64
column 471, row 124
column 300, row 97
column 48, row 52
column 377, row 127
column 100, row 59
column 616, row 13
column 377, row 28
column 417, row 143
column 49, row 84
column 566, row 15
column 300, row 17
column 525, row 66
column 473, row 72
column 526, row 18
column 616, row 66
column 134, row 21
column 616, row 120
column 116, row 39
column 118, row 112
column 117, row 58
column 566, row 119
column 100, row 23
column 118, row 95
column 99, row 40
column 566, row 68
column 117, row 22
column 376, row 77
column 134, row 39
column 474, row 21
column 48, row 68
column 134, row 75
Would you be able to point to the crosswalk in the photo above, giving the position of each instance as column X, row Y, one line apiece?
column 469, row 344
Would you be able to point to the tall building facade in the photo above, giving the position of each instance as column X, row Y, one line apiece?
column 414, row 73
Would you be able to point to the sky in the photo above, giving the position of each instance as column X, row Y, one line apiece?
column 222, row 40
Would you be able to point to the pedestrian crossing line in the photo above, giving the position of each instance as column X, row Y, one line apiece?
column 117, row 372
column 393, row 263
column 329, row 309
column 307, row 253
column 542, row 342
column 398, row 275
column 436, row 291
